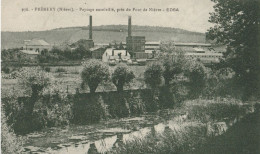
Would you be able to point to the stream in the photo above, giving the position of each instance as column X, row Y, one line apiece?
column 100, row 137
column 106, row 135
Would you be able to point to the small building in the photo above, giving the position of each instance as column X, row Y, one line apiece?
column 112, row 54
column 97, row 52
column 35, row 46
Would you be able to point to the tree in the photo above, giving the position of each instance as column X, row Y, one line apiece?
column 121, row 76
column 94, row 72
column 153, row 74
column 236, row 24
column 81, row 52
column 34, row 80
column 196, row 73
column 168, row 47
column 172, row 67
column 172, row 60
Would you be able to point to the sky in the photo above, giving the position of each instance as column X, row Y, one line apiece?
column 193, row 15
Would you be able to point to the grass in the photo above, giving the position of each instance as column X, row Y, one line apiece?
column 190, row 135
column 214, row 110
column 69, row 77
column 242, row 138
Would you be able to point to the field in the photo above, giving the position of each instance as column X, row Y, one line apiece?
column 70, row 79
column 15, row 39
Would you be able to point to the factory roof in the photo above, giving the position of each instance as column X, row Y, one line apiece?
column 30, row 52
column 37, row 42
column 95, row 48
column 192, row 44
column 153, row 43
column 204, row 54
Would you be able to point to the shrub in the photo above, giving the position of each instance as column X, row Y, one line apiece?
column 87, row 111
column 118, row 106
column 181, row 141
column 10, row 143
column 59, row 70
column 47, row 69
column 220, row 83
column 6, row 70
column 12, row 109
column 214, row 110
column 196, row 73
column 54, row 110
column 94, row 72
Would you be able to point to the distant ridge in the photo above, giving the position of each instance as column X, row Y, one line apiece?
column 101, row 34
column 134, row 27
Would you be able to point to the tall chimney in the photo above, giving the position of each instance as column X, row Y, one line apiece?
column 129, row 26
column 90, row 27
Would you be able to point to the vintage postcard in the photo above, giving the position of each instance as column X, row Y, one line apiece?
column 130, row 76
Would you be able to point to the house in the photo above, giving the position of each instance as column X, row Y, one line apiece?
column 112, row 54
column 35, row 46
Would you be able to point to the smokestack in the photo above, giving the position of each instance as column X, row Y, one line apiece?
column 129, row 26
column 90, row 27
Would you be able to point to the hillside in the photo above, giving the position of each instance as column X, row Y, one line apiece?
column 101, row 34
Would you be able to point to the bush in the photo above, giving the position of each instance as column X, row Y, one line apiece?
column 49, row 111
column 196, row 73
column 59, row 70
column 214, row 110
column 118, row 106
column 182, row 141
column 54, row 110
column 87, row 110
column 220, row 83
column 6, row 70
column 47, row 69
column 10, row 143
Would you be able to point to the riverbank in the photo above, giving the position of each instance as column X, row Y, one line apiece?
column 177, row 130
column 242, row 138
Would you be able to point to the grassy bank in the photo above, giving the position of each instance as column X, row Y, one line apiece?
column 190, row 134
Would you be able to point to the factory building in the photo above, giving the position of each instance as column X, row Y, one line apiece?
column 135, row 44
column 112, row 55
column 89, row 42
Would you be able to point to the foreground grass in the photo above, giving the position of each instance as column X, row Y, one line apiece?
column 191, row 134
column 242, row 138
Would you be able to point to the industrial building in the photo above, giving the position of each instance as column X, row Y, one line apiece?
column 112, row 56
column 90, row 42
column 135, row 45
column 35, row 46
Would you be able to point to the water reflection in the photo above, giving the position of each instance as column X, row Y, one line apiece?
column 122, row 136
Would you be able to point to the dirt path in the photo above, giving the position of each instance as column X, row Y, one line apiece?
column 242, row 138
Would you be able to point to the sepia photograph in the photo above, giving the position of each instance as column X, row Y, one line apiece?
column 130, row 77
